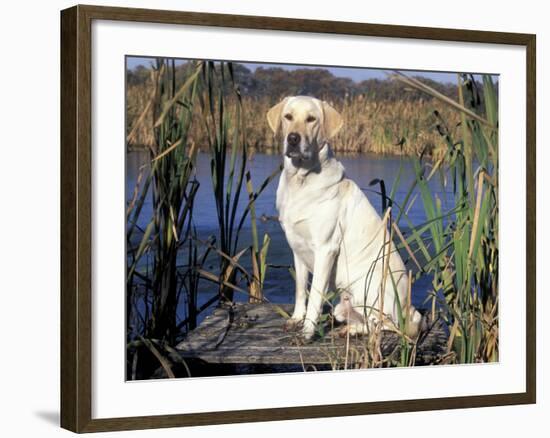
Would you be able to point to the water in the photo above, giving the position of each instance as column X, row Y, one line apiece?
column 279, row 285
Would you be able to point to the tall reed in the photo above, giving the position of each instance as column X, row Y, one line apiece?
column 166, row 257
column 461, row 245
column 171, row 188
column 225, row 131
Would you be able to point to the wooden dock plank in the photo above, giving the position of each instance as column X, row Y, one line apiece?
column 253, row 334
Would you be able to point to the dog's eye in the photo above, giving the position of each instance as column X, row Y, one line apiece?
column 288, row 117
column 310, row 119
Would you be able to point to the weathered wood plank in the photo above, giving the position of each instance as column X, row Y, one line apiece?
column 253, row 334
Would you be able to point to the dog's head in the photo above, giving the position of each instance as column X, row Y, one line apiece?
column 306, row 124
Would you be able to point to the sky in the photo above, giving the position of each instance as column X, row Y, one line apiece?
column 357, row 74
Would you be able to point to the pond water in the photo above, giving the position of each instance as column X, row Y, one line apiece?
column 279, row 285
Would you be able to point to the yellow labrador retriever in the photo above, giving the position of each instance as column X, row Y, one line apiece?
column 332, row 229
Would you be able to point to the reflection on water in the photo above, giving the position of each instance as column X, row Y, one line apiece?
column 279, row 285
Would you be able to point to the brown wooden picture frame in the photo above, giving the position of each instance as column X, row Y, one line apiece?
column 76, row 217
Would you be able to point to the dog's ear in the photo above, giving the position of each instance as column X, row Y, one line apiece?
column 332, row 120
column 274, row 115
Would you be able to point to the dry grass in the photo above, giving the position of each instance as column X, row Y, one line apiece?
column 380, row 127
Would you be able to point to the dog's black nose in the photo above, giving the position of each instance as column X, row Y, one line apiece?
column 293, row 139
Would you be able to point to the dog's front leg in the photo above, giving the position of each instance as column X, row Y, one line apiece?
column 322, row 269
column 301, row 294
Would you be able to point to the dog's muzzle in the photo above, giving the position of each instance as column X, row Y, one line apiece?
column 293, row 145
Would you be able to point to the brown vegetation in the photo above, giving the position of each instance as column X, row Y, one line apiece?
column 393, row 127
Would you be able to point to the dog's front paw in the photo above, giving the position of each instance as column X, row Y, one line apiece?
column 308, row 329
column 292, row 324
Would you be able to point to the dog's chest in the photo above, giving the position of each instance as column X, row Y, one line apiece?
column 294, row 217
column 296, row 221
column 304, row 215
